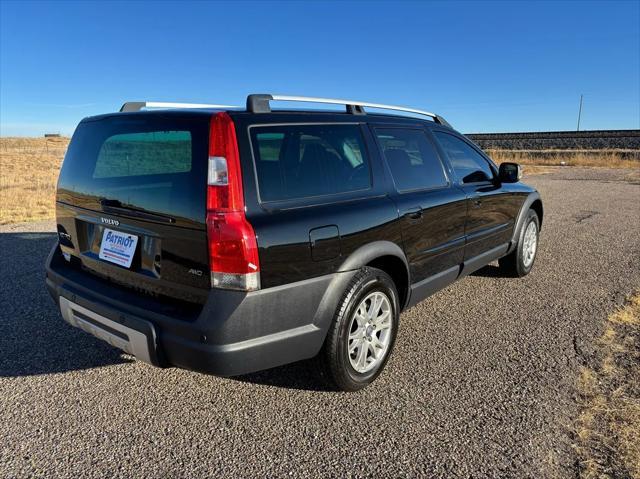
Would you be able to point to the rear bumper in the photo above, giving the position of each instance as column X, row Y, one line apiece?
column 235, row 333
column 138, row 340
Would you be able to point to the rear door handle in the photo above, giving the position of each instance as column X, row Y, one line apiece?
column 414, row 213
column 477, row 202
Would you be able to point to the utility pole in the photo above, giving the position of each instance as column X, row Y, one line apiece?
column 579, row 113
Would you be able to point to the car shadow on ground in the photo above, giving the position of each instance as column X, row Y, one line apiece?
column 307, row 375
column 35, row 340
column 489, row 271
column 33, row 337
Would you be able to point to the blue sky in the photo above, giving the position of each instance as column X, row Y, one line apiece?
column 484, row 66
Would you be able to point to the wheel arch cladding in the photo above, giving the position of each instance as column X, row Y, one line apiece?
column 386, row 256
column 395, row 268
column 532, row 201
column 536, row 206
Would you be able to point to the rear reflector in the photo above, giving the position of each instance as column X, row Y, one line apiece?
column 233, row 249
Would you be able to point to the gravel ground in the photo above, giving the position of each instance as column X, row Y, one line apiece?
column 480, row 383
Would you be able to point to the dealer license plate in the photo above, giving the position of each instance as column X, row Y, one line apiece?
column 118, row 247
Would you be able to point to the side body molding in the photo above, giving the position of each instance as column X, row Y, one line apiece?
column 534, row 196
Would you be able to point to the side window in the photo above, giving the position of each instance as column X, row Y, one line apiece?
column 468, row 164
column 299, row 161
column 412, row 159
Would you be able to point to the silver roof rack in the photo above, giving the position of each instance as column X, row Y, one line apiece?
column 139, row 105
column 259, row 103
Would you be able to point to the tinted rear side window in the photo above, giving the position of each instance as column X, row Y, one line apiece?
column 412, row 159
column 298, row 161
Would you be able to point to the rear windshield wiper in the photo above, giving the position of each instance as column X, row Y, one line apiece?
column 116, row 207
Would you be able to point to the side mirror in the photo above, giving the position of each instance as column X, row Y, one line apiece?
column 510, row 172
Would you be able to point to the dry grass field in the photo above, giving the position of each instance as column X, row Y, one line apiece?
column 608, row 427
column 586, row 158
column 28, row 174
column 29, row 169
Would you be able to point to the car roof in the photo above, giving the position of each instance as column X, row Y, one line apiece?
column 276, row 116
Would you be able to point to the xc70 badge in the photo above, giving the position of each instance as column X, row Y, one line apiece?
column 109, row 221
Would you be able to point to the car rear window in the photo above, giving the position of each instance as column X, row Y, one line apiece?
column 299, row 161
column 152, row 162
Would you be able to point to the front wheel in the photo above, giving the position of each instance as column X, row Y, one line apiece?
column 519, row 262
column 363, row 331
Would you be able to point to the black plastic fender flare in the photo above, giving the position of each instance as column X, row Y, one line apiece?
column 526, row 206
column 356, row 260
column 374, row 250
column 371, row 251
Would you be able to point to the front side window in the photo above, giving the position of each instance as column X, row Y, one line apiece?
column 299, row 161
column 412, row 159
column 469, row 165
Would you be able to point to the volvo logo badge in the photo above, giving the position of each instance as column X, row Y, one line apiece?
column 109, row 221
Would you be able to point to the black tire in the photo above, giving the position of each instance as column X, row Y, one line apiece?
column 514, row 263
column 334, row 354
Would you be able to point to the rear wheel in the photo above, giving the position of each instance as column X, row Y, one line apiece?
column 363, row 331
column 520, row 261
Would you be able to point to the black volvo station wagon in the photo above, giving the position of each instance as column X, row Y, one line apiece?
column 230, row 240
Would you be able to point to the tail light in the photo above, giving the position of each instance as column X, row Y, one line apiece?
column 233, row 250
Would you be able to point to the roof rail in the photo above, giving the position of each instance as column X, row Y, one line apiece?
column 259, row 103
column 139, row 105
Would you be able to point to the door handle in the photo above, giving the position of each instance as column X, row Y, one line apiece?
column 477, row 202
column 414, row 214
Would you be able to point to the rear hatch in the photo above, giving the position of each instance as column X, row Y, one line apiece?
column 131, row 202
